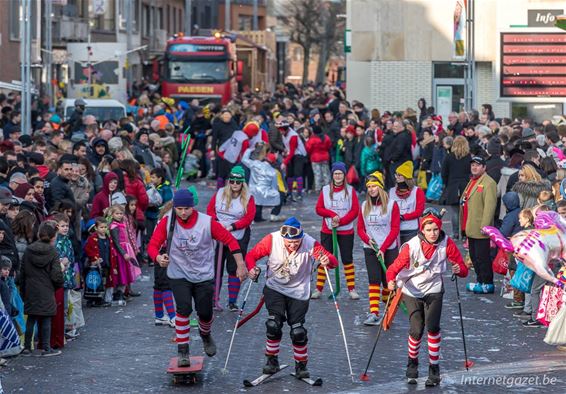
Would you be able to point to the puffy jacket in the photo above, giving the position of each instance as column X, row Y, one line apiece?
column 136, row 188
column 318, row 148
column 510, row 224
column 101, row 200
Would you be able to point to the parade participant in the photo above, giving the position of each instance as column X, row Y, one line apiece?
column 338, row 206
column 419, row 269
column 291, row 256
column 234, row 147
column 378, row 227
column 234, row 208
column 295, row 156
column 410, row 198
column 189, row 258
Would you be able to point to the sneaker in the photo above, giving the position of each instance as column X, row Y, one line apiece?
column 354, row 295
column 562, row 348
column 132, row 293
column 232, row 307
column 26, row 353
column 162, row 321
column 183, row 358
column 471, row 286
column 316, row 295
column 49, row 353
column 515, row 305
column 533, row 323
column 433, row 375
column 72, row 334
column 483, row 288
column 412, row 372
column 276, row 218
column 301, row 371
column 209, row 345
column 171, row 322
column 522, row 315
column 373, row 320
column 507, row 295
column 271, row 365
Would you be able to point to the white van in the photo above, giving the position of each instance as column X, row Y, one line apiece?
column 103, row 110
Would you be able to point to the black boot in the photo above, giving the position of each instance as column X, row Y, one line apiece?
column 209, row 345
column 433, row 375
column 183, row 360
column 412, row 370
column 271, row 365
column 301, row 371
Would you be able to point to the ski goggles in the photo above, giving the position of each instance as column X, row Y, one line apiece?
column 290, row 232
column 432, row 212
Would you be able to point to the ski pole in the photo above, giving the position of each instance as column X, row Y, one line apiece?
column 341, row 324
column 337, row 269
column 467, row 363
column 218, row 278
column 240, row 313
column 364, row 377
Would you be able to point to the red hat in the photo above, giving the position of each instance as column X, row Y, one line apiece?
column 350, row 129
column 251, row 128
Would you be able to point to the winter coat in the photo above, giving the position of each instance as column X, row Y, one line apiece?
column 369, row 161
column 318, row 148
column 510, row 225
column 136, row 188
column 455, row 176
column 41, row 274
column 101, row 200
column 275, row 140
column 166, row 194
column 59, row 189
column 263, row 181
column 426, row 156
column 358, row 147
column 514, row 178
column 529, row 191
column 384, row 149
column 438, row 155
column 81, row 191
column 349, row 148
column 482, row 201
column 8, row 245
column 144, row 151
column 400, row 150
column 221, row 132
column 93, row 157
column 493, row 167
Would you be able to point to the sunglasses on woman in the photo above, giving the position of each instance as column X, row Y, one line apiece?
column 290, row 231
column 232, row 182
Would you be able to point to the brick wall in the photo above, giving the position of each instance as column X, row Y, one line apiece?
column 488, row 90
column 396, row 85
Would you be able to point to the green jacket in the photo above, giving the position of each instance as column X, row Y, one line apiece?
column 481, row 206
column 369, row 161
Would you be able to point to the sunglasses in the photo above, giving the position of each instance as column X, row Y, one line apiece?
column 232, row 182
column 290, row 231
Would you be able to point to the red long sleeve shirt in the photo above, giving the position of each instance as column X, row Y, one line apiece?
column 393, row 233
column 402, row 261
column 352, row 214
column 263, row 249
column 244, row 222
column 419, row 206
column 219, row 233
column 293, row 143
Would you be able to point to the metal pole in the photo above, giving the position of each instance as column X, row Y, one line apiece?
column 49, row 49
column 255, row 17
column 473, row 52
column 129, row 28
column 21, row 5
column 188, row 18
column 470, row 87
column 25, row 59
column 227, row 16
column 28, row 67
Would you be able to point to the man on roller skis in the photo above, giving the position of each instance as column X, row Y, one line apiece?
column 291, row 257
column 189, row 258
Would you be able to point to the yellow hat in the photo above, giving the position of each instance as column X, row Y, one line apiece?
column 405, row 170
column 375, row 178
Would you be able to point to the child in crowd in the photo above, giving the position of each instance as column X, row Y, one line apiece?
column 509, row 227
column 520, row 299
column 561, row 209
column 131, row 223
column 370, row 161
column 41, row 274
column 163, row 186
column 5, row 291
column 546, row 197
column 98, row 252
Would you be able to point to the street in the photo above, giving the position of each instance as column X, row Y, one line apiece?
column 120, row 350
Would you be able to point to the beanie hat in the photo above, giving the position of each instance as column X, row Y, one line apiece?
column 338, row 166
column 375, row 178
column 237, row 173
column 5, row 262
column 527, row 133
column 183, row 198
column 22, row 190
column 294, row 223
column 494, row 147
column 405, row 170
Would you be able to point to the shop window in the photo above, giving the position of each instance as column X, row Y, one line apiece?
column 448, row 70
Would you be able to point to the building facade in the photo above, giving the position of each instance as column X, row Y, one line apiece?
column 404, row 50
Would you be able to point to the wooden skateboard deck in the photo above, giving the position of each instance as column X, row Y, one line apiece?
column 185, row 374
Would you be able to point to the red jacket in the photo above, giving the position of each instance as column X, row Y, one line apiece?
column 263, row 249
column 393, row 234
column 244, row 222
column 402, row 261
column 136, row 188
column 219, row 233
column 352, row 214
column 101, row 200
column 92, row 251
column 318, row 149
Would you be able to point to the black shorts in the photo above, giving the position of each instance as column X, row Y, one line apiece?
column 285, row 308
column 345, row 245
column 297, row 166
column 423, row 311
column 374, row 268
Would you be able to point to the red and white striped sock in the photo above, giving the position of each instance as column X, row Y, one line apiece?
column 205, row 327
column 272, row 347
column 434, row 340
column 182, row 328
column 414, row 346
column 300, row 353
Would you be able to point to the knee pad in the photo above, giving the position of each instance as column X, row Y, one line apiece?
column 299, row 334
column 273, row 327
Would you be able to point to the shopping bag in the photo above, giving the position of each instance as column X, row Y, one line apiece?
column 500, row 262
column 9, row 339
column 523, row 278
column 421, row 180
column 75, row 318
column 352, row 177
column 550, row 304
column 556, row 334
column 434, row 190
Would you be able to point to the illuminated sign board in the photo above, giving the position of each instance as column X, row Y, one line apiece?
column 195, row 48
column 533, row 65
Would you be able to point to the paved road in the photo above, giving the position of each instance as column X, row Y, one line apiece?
column 121, row 351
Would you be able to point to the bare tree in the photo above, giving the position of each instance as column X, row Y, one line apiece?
column 331, row 35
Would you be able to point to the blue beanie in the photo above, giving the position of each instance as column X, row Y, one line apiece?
column 183, row 198
column 293, row 222
column 339, row 166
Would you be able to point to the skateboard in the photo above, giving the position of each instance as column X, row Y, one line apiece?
column 185, row 375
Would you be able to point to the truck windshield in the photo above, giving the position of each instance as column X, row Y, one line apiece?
column 102, row 113
column 199, row 72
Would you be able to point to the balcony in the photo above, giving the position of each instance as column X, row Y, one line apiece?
column 67, row 29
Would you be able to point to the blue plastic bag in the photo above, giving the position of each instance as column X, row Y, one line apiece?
column 19, row 304
column 434, row 190
column 523, row 278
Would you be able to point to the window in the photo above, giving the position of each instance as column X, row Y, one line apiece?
column 298, row 54
column 167, row 18
column 448, row 70
column 106, row 21
column 198, row 71
column 146, row 18
column 245, row 22
column 207, row 21
column 15, row 14
column 123, row 10
column 160, row 18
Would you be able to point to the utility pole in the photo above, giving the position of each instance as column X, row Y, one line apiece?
column 129, row 28
column 25, row 62
column 227, row 16
column 188, row 17
column 49, row 50
column 255, row 17
column 470, row 87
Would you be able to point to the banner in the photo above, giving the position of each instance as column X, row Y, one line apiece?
column 460, row 16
